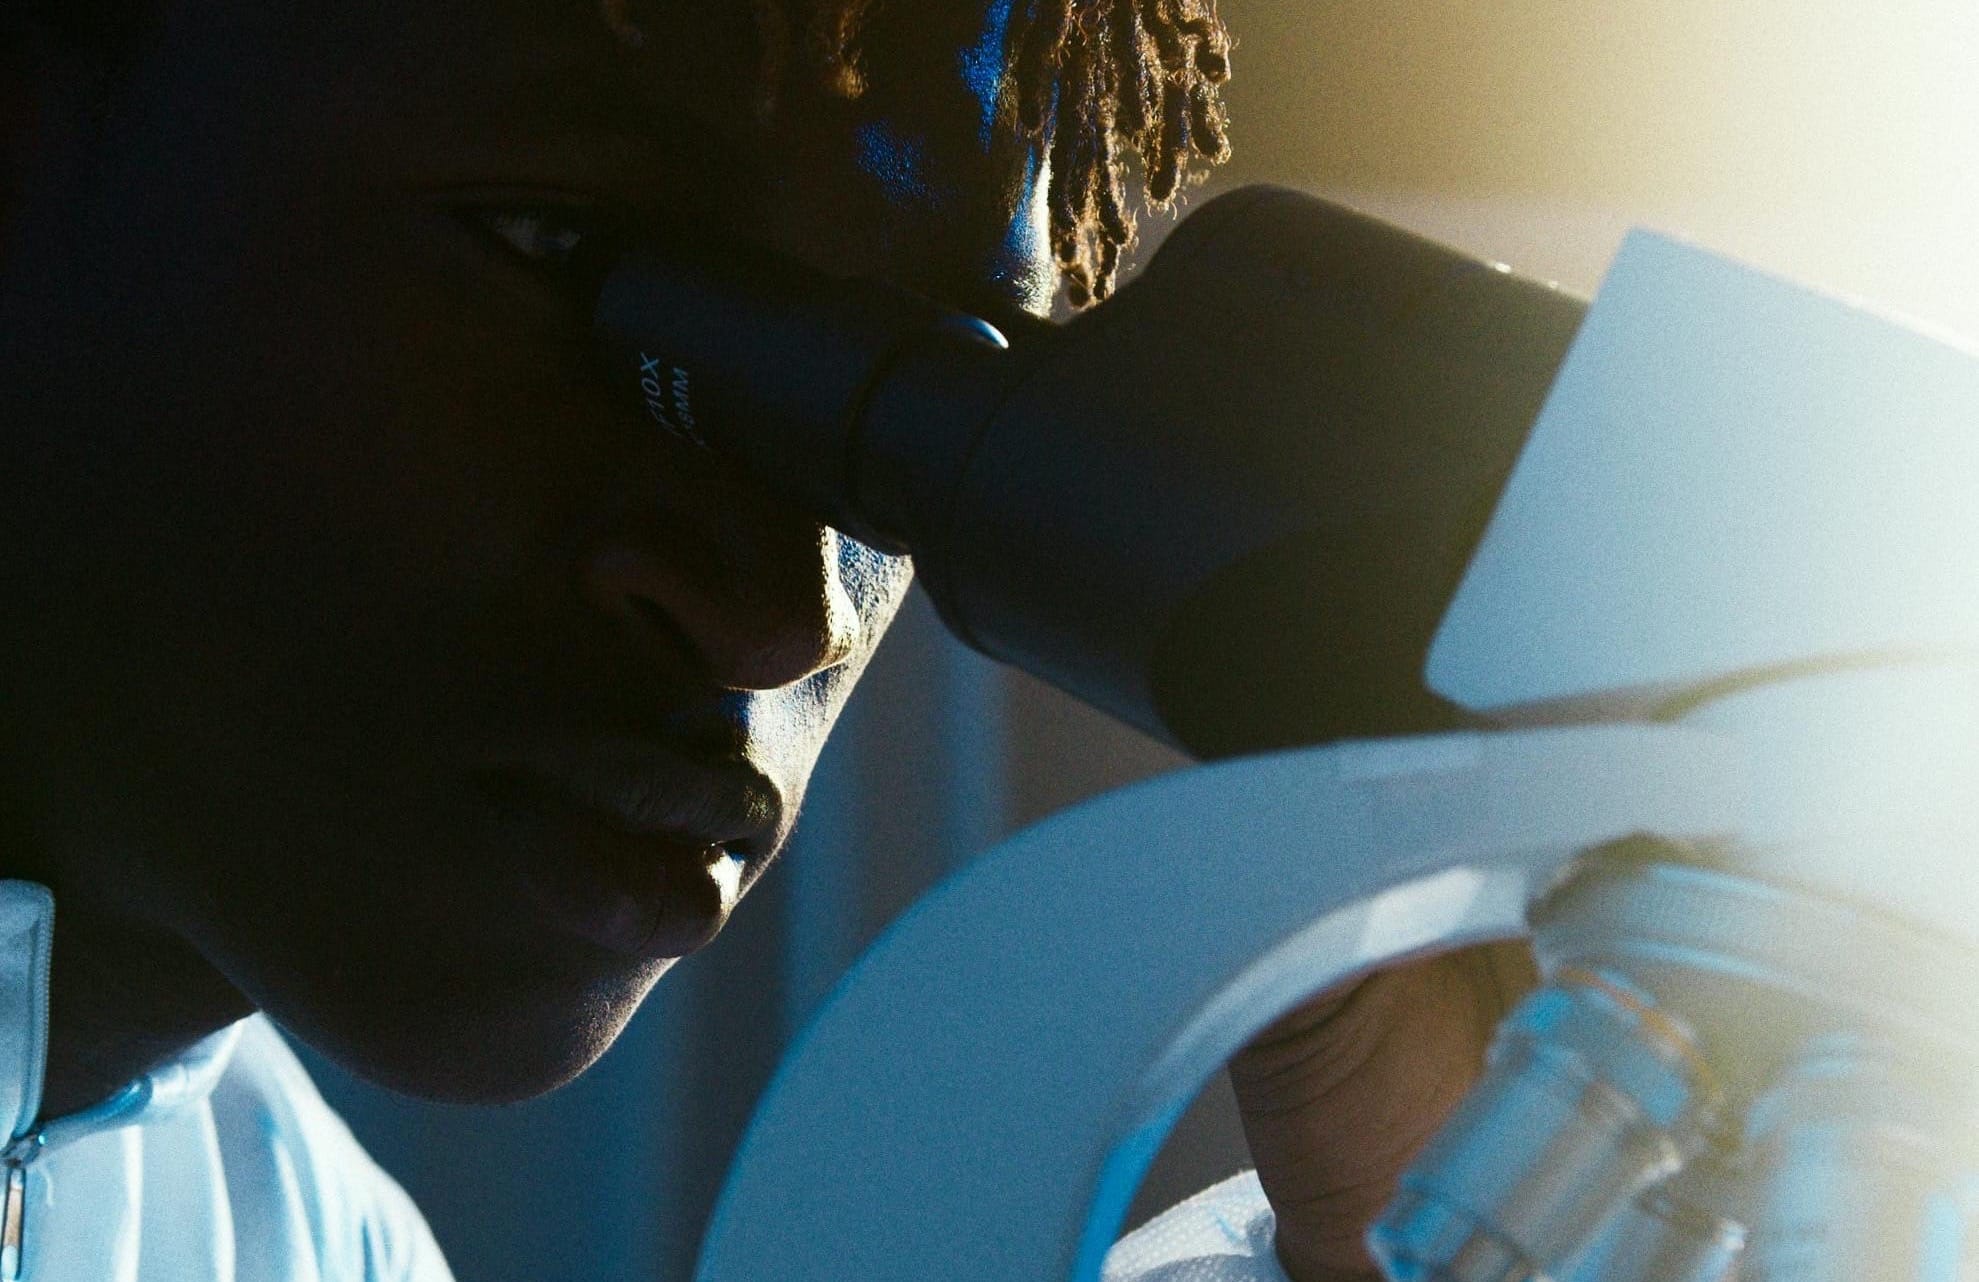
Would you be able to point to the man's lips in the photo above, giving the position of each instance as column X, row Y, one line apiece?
column 637, row 849
column 646, row 789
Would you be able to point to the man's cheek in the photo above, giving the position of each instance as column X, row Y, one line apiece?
column 877, row 584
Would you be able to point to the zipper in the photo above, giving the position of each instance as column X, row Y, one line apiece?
column 28, row 1139
column 119, row 1110
column 13, row 1210
column 22, row 1150
column 18, row 1154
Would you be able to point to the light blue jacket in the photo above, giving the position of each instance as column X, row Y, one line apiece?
column 222, row 1166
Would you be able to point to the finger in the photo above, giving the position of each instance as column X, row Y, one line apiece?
column 1337, row 1097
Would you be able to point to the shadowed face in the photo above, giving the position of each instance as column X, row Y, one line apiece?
column 355, row 636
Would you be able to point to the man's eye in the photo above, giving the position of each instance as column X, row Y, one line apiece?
column 552, row 238
column 572, row 248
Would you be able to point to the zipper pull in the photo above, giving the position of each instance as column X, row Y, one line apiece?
column 13, row 1209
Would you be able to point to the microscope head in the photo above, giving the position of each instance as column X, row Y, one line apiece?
column 1749, row 507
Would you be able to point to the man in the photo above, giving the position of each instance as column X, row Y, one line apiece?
column 369, row 666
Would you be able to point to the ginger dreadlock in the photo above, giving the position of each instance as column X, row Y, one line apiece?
column 1100, row 86
column 1100, row 82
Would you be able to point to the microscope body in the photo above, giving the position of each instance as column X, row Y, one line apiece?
column 1311, row 478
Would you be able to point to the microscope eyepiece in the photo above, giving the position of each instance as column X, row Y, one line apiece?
column 776, row 365
column 1228, row 506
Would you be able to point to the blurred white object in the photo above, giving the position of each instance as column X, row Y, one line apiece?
column 1755, row 507
column 1226, row 1233
column 1732, row 476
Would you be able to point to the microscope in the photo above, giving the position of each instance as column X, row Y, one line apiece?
column 1645, row 630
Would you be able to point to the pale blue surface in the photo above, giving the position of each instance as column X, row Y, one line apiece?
column 1731, row 474
column 982, row 1093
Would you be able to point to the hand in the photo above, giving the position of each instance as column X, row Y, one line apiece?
column 1339, row 1096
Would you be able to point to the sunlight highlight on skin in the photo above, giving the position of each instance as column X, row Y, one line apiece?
column 982, row 65
column 898, row 161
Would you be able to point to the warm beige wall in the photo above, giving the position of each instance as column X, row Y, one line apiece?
column 1837, row 140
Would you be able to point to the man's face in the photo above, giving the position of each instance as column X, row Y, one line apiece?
column 357, row 636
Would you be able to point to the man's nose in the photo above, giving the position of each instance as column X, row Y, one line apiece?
column 751, row 590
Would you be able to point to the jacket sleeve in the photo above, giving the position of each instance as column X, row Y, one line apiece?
column 1223, row 1234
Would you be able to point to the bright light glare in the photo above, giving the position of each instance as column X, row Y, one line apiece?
column 1836, row 141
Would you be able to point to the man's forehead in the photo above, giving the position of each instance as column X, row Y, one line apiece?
column 675, row 50
column 724, row 38
column 548, row 95
column 699, row 58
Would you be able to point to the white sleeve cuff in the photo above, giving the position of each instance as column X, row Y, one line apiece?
column 1223, row 1234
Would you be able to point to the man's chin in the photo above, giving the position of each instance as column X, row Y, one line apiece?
column 484, row 1048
